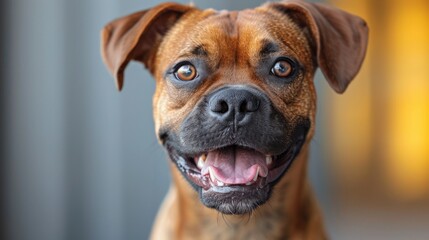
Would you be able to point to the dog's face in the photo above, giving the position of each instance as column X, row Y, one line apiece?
column 235, row 99
column 240, row 101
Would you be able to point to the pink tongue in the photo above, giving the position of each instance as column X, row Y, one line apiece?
column 235, row 165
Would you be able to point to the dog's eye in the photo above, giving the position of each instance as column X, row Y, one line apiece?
column 186, row 72
column 282, row 68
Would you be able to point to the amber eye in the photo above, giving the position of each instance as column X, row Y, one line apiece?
column 282, row 68
column 186, row 72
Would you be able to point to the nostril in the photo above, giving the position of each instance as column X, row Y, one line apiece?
column 223, row 107
column 243, row 106
column 220, row 106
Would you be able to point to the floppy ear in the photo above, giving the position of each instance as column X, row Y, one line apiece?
column 340, row 39
column 137, row 37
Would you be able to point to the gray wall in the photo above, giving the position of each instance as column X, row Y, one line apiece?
column 81, row 160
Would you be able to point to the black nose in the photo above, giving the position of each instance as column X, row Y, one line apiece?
column 233, row 104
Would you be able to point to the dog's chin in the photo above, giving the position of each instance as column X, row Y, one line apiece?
column 232, row 191
column 235, row 200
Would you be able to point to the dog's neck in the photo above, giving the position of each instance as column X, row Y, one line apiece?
column 184, row 215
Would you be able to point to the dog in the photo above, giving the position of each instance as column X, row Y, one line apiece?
column 235, row 107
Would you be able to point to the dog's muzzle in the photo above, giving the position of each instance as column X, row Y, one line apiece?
column 234, row 146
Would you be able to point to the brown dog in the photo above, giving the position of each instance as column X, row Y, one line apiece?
column 235, row 106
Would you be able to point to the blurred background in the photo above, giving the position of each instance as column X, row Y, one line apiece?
column 80, row 160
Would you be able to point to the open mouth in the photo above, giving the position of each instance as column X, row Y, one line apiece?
column 235, row 166
column 235, row 175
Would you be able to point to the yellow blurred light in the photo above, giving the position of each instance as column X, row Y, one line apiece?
column 407, row 146
column 401, row 61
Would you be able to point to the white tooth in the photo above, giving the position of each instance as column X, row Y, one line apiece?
column 212, row 175
column 248, row 183
column 256, row 175
column 269, row 159
column 216, row 181
column 201, row 161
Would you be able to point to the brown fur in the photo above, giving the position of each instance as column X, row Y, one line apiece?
column 315, row 35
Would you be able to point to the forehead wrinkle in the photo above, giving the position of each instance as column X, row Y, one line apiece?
column 277, row 28
column 224, row 32
column 286, row 32
column 268, row 47
column 193, row 50
column 279, row 44
column 221, row 26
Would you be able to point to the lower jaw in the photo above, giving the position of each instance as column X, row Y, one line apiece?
column 241, row 199
column 235, row 200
